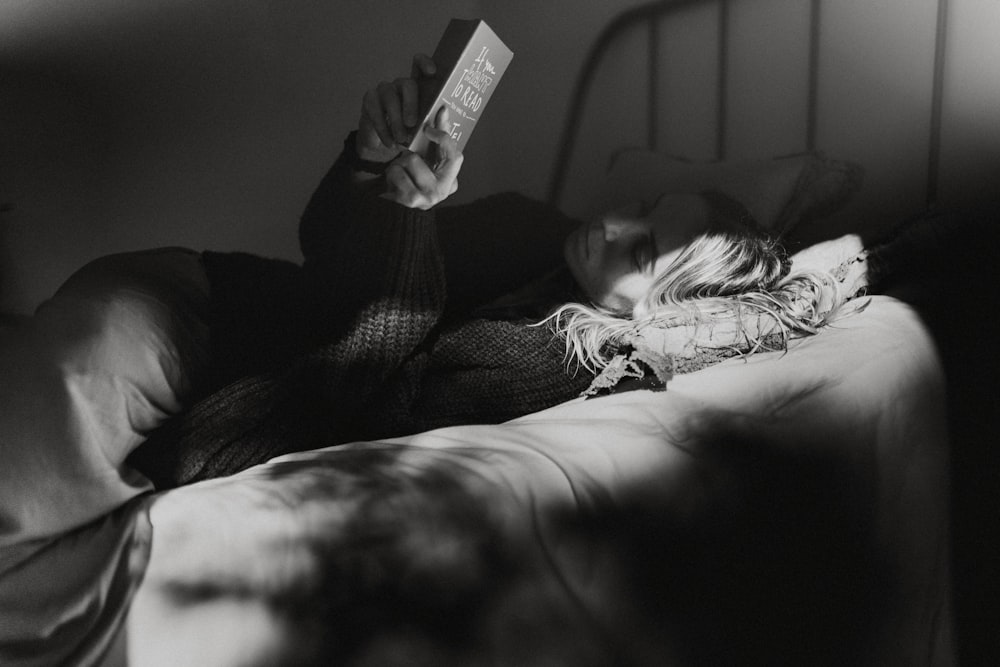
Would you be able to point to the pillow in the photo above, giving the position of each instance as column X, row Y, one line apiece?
column 678, row 343
column 780, row 193
column 103, row 361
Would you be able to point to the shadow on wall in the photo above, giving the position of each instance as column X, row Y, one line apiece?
column 53, row 156
column 125, row 126
column 6, row 209
column 170, row 122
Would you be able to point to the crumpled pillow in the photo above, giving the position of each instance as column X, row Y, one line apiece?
column 100, row 364
column 781, row 193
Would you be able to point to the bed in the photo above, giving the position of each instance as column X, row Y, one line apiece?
column 793, row 507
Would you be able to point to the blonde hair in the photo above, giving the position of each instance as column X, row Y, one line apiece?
column 718, row 276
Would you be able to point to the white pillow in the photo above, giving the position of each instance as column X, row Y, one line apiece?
column 99, row 365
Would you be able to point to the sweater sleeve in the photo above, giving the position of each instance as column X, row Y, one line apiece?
column 375, row 271
column 373, row 286
column 367, row 257
column 374, row 277
column 482, row 371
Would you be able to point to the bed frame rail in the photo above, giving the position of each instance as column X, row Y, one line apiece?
column 650, row 15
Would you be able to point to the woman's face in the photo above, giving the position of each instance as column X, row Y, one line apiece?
column 616, row 258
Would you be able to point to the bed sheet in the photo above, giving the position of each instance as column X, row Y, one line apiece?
column 792, row 506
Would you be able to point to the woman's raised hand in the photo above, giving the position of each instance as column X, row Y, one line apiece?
column 389, row 113
column 413, row 183
column 389, row 118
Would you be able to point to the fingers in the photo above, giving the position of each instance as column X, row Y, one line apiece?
column 417, row 172
column 390, row 112
column 448, row 157
column 392, row 107
column 402, row 189
column 408, row 92
column 447, row 145
column 412, row 183
column 448, row 168
column 423, row 65
column 442, row 119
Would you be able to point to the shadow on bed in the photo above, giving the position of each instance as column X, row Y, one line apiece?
column 945, row 265
column 767, row 552
column 779, row 568
column 773, row 564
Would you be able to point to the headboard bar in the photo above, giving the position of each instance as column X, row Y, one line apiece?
column 650, row 14
column 937, row 95
column 721, row 79
column 653, row 85
column 812, row 104
column 630, row 17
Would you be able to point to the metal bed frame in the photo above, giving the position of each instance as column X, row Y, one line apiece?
column 649, row 15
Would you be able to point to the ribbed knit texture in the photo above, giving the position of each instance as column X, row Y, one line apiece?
column 357, row 344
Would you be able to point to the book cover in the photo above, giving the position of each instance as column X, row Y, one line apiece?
column 470, row 60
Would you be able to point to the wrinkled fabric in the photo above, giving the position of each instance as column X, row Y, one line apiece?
column 105, row 360
column 805, row 491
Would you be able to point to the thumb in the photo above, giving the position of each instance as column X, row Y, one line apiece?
column 442, row 120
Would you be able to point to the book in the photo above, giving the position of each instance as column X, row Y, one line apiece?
column 470, row 61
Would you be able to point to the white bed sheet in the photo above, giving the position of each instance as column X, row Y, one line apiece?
column 866, row 393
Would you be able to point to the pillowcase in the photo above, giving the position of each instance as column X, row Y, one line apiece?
column 101, row 363
column 679, row 343
column 780, row 193
column 844, row 258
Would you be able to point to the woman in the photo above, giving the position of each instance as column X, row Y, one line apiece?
column 406, row 317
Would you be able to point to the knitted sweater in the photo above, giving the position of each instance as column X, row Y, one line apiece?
column 386, row 329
